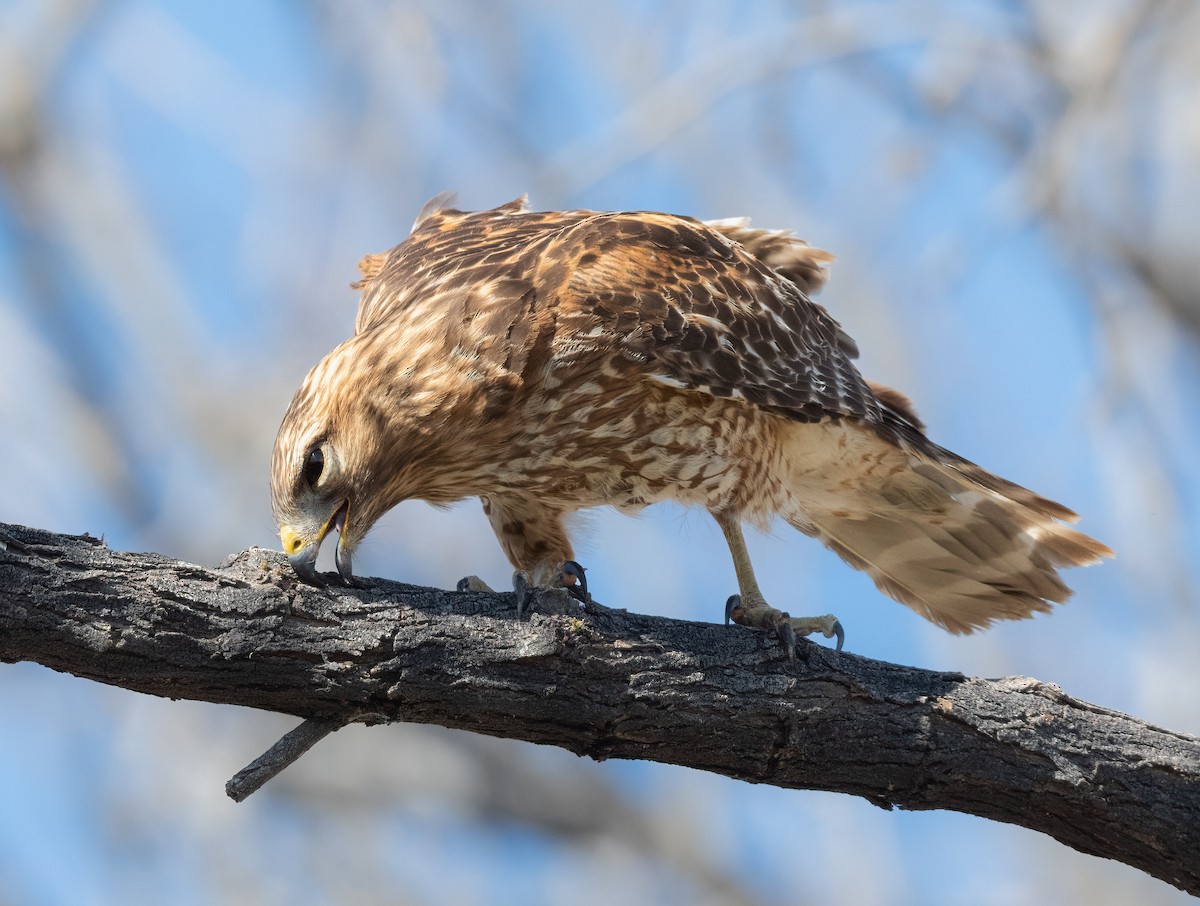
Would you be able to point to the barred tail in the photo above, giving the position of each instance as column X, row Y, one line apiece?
column 959, row 545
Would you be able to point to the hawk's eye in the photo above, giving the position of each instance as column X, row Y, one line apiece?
column 314, row 464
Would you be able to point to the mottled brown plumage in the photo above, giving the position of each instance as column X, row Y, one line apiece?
column 548, row 362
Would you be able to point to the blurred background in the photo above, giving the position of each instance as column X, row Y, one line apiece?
column 1011, row 187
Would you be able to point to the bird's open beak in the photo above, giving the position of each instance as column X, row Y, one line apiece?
column 302, row 552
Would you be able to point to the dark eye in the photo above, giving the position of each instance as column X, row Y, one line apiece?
column 314, row 465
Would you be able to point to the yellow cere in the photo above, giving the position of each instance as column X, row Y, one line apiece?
column 292, row 543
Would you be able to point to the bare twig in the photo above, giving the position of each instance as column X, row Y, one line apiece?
column 290, row 747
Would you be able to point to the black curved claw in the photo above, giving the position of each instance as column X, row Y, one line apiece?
column 787, row 637
column 578, row 591
column 732, row 603
column 840, row 633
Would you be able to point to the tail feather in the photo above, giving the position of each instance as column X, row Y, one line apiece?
column 959, row 545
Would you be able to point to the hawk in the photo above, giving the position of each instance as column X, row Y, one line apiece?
column 548, row 362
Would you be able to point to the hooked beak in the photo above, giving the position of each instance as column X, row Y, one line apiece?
column 304, row 560
column 303, row 555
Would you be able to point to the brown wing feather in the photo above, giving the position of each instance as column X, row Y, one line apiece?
column 450, row 251
column 781, row 251
column 683, row 303
column 692, row 309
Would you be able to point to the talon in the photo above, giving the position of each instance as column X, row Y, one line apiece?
column 828, row 625
column 579, row 590
column 732, row 603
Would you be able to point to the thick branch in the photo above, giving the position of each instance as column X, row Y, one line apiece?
column 607, row 685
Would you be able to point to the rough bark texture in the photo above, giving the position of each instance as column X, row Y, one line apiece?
column 607, row 685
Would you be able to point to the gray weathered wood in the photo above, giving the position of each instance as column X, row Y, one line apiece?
column 607, row 685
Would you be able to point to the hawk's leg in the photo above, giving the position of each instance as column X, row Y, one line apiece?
column 535, row 541
column 571, row 571
column 750, row 608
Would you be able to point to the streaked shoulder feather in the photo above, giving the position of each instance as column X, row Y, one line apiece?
column 450, row 252
column 780, row 250
column 717, row 309
column 695, row 308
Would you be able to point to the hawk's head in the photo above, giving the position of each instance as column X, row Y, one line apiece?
column 377, row 421
column 325, row 468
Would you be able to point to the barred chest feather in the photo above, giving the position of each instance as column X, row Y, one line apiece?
column 597, row 443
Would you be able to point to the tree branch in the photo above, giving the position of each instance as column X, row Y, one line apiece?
column 291, row 746
column 607, row 685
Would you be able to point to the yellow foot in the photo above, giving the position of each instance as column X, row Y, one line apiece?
column 758, row 614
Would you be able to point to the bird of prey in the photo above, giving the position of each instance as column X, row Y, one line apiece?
column 547, row 362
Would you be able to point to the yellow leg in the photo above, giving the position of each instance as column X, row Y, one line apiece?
column 750, row 608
